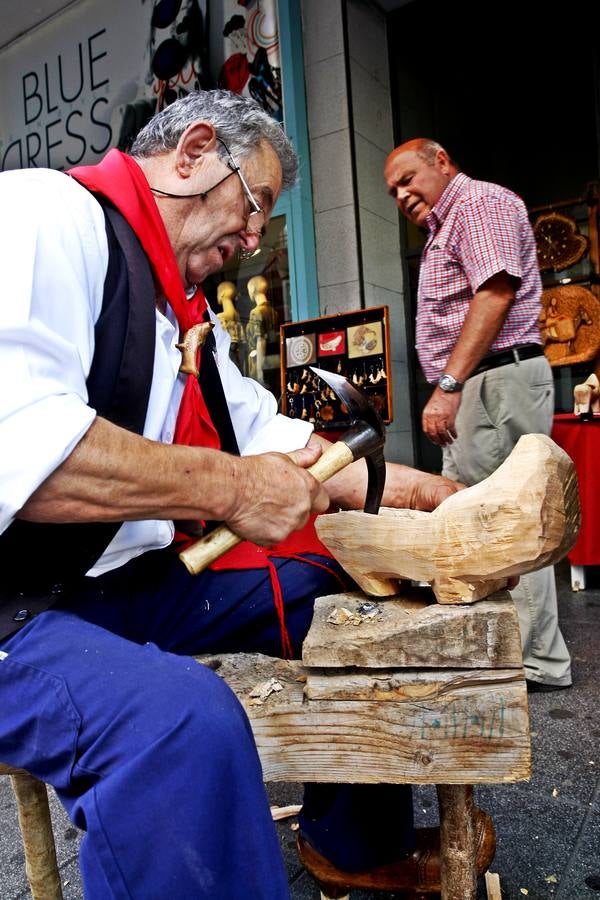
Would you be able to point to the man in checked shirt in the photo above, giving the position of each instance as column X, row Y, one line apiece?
column 479, row 343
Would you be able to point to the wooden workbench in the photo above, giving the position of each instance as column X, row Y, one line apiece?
column 397, row 691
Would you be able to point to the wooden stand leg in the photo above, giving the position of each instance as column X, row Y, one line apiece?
column 457, row 842
column 36, row 828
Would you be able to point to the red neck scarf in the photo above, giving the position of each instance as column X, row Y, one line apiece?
column 119, row 179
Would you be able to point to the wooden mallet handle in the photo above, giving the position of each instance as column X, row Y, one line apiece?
column 208, row 549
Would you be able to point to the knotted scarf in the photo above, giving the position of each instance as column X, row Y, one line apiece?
column 119, row 179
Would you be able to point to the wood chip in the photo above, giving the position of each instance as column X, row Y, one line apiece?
column 264, row 689
column 284, row 812
column 492, row 886
column 342, row 616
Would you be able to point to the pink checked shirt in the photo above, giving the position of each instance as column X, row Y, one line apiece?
column 476, row 230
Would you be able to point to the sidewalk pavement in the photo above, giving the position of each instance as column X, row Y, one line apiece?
column 548, row 829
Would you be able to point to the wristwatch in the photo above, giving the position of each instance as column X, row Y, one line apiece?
column 449, row 384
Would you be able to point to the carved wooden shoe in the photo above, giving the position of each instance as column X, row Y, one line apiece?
column 523, row 517
column 417, row 874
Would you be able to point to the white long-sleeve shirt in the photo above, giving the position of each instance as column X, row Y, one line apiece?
column 54, row 258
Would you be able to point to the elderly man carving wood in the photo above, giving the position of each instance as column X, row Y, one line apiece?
column 105, row 445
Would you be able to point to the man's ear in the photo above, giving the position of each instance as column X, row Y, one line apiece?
column 443, row 161
column 197, row 140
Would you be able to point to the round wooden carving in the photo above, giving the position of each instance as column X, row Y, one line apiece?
column 570, row 324
column 559, row 242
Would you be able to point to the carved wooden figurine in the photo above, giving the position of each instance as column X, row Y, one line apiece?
column 261, row 329
column 587, row 396
column 191, row 341
column 230, row 320
column 570, row 324
column 523, row 517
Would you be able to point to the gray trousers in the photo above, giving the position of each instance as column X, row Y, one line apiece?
column 497, row 407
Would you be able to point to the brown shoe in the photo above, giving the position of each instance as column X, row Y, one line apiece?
column 418, row 873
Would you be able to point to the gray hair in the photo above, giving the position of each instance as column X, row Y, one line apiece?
column 240, row 122
column 428, row 150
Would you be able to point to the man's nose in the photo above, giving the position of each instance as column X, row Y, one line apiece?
column 250, row 240
column 402, row 195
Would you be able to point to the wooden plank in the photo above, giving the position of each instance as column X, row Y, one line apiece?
column 476, row 733
column 409, row 633
column 404, row 685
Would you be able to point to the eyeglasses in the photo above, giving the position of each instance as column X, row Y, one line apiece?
column 258, row 222
column 255, row 221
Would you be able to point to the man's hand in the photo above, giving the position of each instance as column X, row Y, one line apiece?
column 405, row 487
column 408, row 488
column 275, row 495
column 439, row 417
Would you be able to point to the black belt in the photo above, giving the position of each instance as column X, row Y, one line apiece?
column 506, row 357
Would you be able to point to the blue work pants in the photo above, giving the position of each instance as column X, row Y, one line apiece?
column 150, row 752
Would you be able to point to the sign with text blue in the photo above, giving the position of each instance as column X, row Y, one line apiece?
column 88, row 78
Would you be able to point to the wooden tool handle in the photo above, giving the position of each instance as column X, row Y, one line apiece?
column 208, row 549
column 333, row 460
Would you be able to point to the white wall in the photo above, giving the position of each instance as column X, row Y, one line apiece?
column 356, row 222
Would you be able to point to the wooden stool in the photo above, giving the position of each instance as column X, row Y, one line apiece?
column 397, row 691
column 36, row 830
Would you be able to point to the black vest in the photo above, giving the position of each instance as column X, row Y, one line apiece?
column 39, row 561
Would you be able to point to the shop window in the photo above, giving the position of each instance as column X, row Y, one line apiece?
column 252, row 299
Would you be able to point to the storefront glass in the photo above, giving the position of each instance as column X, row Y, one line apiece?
column 252, row 299
column 90, row 78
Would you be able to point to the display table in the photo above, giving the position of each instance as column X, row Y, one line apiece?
column 581, row 440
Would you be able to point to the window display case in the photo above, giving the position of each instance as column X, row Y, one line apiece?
column 353, row 344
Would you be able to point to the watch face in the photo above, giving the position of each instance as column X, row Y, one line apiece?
column 559, row 243
column 449, row 384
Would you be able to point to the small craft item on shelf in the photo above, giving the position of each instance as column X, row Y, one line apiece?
column 523, row 517
column 587, row 397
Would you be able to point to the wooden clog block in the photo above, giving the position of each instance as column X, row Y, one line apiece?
column 523, row 517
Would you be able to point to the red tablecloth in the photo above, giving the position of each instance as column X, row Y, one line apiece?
column 581, row 440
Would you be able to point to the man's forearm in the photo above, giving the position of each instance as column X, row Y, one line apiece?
column 405, row 487
column 115, row 475
column 487, row 313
